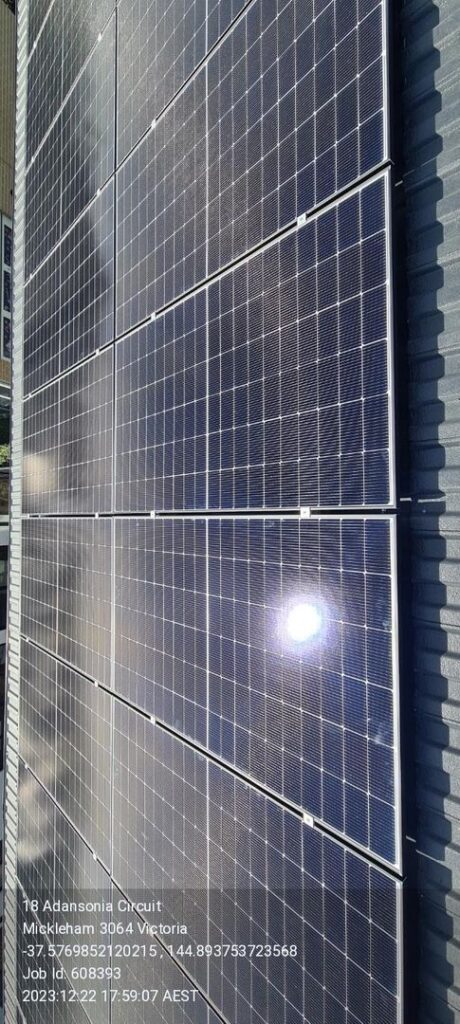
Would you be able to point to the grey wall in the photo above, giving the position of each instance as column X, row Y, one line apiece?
column 431, row 69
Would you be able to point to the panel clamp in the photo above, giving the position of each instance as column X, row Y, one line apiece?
column 153, row 316
column 308, row 820
column 153, row 514
column 302, row 220
column 305, row 512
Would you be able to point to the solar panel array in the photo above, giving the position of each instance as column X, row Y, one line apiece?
column 209, row 706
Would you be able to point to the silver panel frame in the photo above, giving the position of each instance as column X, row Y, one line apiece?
column 14, row 575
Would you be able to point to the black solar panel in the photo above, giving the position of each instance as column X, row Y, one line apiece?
column 266, row 878
column 159, row 46
column 295, row 113
column 83, row 748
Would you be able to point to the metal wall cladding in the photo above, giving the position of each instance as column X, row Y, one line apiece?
column 432, row 178
column 209, row 672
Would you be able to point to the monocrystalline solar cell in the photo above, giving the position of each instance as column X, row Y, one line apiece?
column 263, row 878
column 159, row 46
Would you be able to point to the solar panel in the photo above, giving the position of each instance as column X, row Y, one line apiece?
column 83, row 747
column 267, row 878
column 295, row 113
column 297, row 398
column 87, row 281
column 37, row 13
column 85, row 437
column 43, row 200
column 159, row 973
column 270, row 641
column 260, row 167
column 41, row 451
column 88, row 130
column 161, row 412
column 39, row 581
column 159, row 46
column 84, row 596
column 68, row 442
column 44, row 92
column 37, row 743
column 161, row 210
column 160, row 659
column 299, row 350
column 208, row 684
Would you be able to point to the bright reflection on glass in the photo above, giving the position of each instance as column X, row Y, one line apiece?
column 303, row 622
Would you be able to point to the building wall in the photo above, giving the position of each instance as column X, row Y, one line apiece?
column 7, row 92
column 432, row 189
